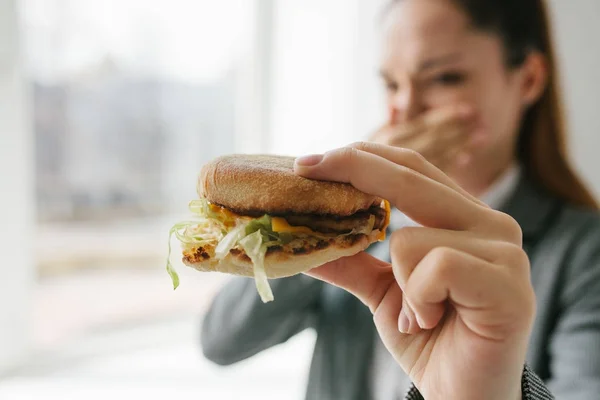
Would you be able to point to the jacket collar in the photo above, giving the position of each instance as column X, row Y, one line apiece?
column 532, row 207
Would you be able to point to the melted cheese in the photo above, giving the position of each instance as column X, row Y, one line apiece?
column 386, row 222
column 228, row 217
column 226, row 213
column 280, row 225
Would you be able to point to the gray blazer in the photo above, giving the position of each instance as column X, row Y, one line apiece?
column 563, row 244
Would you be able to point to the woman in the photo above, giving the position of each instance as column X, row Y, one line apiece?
column 472, row 86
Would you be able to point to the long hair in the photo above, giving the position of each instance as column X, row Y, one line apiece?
column 524, row 26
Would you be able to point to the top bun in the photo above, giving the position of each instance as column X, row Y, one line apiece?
column 262, row 184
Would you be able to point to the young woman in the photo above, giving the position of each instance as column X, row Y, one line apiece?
column 472, row 89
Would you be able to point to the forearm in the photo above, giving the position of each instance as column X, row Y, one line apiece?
column 238, row 325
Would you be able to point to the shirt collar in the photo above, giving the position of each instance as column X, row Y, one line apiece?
column 503, row 188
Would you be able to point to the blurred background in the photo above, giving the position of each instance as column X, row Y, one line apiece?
column 107, row 111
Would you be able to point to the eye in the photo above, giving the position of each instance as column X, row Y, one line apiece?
column 450, row 78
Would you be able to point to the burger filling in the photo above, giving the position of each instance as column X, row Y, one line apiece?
column 214, row 232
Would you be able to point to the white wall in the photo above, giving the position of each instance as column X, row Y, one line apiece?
column 324, row 91
column 16, row 198
column 254, row 80
column 311, row 73
column 316, row 49
column 370, row 109
column 578, row 39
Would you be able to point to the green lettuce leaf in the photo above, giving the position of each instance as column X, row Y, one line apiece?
column 262, row 223
column 186, row 233
column 170, row 270
column 254, row 247
column 230, row 241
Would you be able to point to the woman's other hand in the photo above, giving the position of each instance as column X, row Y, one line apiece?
column 443, row 136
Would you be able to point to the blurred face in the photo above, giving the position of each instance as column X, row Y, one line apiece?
column 433, row 57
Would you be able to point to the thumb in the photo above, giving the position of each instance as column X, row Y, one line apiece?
column 363, row 275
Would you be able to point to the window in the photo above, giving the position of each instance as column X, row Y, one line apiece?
column 129, row 98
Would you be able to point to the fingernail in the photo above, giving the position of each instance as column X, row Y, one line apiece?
column 309, row 161
column 420, row 322
column 403, row 322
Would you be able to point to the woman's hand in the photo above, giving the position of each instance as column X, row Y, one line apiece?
column 443, row 136
column 460, row 285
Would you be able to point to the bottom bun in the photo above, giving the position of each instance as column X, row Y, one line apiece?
column 282, row 264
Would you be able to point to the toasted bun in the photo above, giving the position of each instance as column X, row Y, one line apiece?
column 281, row 265
column 257, row 184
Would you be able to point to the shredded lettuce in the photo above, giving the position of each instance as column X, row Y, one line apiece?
column 230, row 241
column 262, row 223
column 202, row 208
column 196, row 232
column 173, row 274
column 254, row 247
column 170, row 270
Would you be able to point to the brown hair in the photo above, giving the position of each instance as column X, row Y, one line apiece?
column 542, row 147
column 524, row 26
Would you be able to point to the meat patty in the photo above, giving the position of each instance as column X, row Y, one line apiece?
column 304, row 245
column 332, row 224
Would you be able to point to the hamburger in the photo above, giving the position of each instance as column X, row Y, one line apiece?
column 255, row 217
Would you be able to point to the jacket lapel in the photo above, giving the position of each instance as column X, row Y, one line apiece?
column 533, row 208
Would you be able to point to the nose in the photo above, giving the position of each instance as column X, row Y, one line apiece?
column 405, row 105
